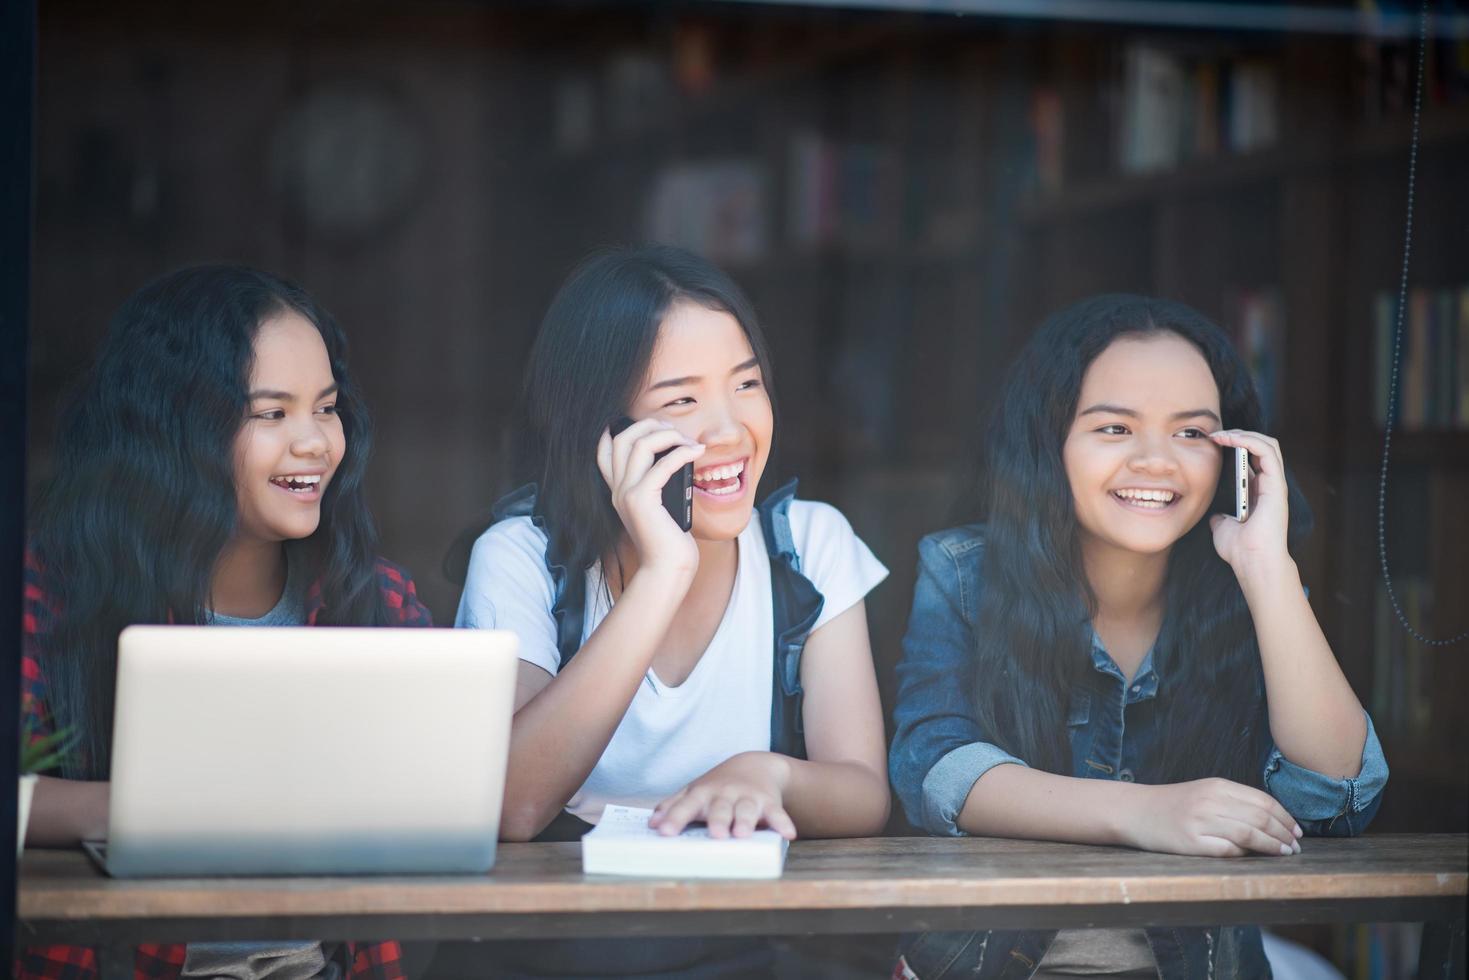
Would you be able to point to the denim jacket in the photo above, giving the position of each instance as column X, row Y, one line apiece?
column 939, row 752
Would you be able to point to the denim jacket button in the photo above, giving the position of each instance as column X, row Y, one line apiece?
column 1125, row 775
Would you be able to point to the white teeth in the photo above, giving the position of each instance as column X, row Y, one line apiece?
column 1158, row 498
column 297, row 484
column 716, row 473
column 721, row 492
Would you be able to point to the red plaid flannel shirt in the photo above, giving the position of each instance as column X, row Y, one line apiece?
column 160, row 961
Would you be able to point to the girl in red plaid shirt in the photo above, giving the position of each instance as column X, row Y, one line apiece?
column 209, row 470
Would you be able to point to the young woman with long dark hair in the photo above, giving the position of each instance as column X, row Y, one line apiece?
column 1109, row 659
column 721, row 674
column 209, row 470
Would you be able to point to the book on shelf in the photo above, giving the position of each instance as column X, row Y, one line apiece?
column 1153, row 94
column 1383, row 82
column 1206, row 100
column 1260, row 337
column 1416, row 366
column 694, row 60
column 716, row 208
column 1252, row 108
column 1167, row 110
column 1175, row 108
column 1048, row 130
column 1402, row 668
column 1433, row 358
column 838, row 191
column 622, row 843
column 637, row 88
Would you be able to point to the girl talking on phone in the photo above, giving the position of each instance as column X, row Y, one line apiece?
column 721, row 674
column 1108, row 659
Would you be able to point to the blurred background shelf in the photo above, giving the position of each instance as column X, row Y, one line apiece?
column 904, row 196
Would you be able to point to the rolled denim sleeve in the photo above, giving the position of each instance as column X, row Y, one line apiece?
column 938, row 750
column 948, row 783
column 1326, row 806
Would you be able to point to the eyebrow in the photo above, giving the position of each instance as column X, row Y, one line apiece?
column 1105, row 409
column 690, row 379
column 286, row 396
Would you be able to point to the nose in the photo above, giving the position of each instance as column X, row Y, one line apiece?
column 310, row 439
column 1154, row 456
column 719, row 425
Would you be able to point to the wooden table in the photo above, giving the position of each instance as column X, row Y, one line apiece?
column 872, row 885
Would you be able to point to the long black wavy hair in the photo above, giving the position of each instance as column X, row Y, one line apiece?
column 1032, row 631
column 590, row 358
column 143, row 498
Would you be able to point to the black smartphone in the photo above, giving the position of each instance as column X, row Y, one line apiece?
column 678, row 492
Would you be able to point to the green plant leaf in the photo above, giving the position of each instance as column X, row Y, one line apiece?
column 41, row 753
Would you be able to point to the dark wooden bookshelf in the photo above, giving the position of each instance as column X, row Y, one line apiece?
column 1228, row 173
column 1439, row 126
column 877, row 257
column 730, row 96
column 1222, row 175
column 1430, row 447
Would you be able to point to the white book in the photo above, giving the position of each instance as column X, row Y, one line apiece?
column 1152, row 110
column 623, row 844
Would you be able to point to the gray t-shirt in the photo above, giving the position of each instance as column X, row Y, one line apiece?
column 1113, row 953
column 290, row 610
column 265, row 960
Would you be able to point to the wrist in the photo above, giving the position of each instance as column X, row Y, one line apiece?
column 776, row 767
column 1267, row 574
column 95, row 827
column 671, row 579
column 1133, row 803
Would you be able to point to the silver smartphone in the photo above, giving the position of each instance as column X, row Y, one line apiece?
column 1241, row 481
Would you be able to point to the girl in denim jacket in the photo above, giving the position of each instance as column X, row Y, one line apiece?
column 1110, row 660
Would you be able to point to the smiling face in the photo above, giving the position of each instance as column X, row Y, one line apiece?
column 292, row 440
column 1141, row 466
column 705, row 380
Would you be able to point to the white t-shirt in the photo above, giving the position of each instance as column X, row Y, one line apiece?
column 671, row 735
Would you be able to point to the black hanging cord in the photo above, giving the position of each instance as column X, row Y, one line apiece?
column 1397, row 344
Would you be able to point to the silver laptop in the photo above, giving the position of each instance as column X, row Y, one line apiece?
column 295, row 751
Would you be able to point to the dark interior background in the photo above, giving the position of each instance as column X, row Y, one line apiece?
column 903, row 195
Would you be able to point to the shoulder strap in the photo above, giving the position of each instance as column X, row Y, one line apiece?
column 775, row 523
column 795, row 605
column 520, row 502
column 569, row 589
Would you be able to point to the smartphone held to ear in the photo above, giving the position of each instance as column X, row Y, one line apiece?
column 678, row 492
column 1239, row 463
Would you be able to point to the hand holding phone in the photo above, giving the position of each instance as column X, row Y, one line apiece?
column 678, row 492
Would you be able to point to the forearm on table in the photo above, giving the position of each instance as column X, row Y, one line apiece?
column 559, row 734
column 1015, row 801
column 65, row 812
column 1315, row 718
column 836, row 799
